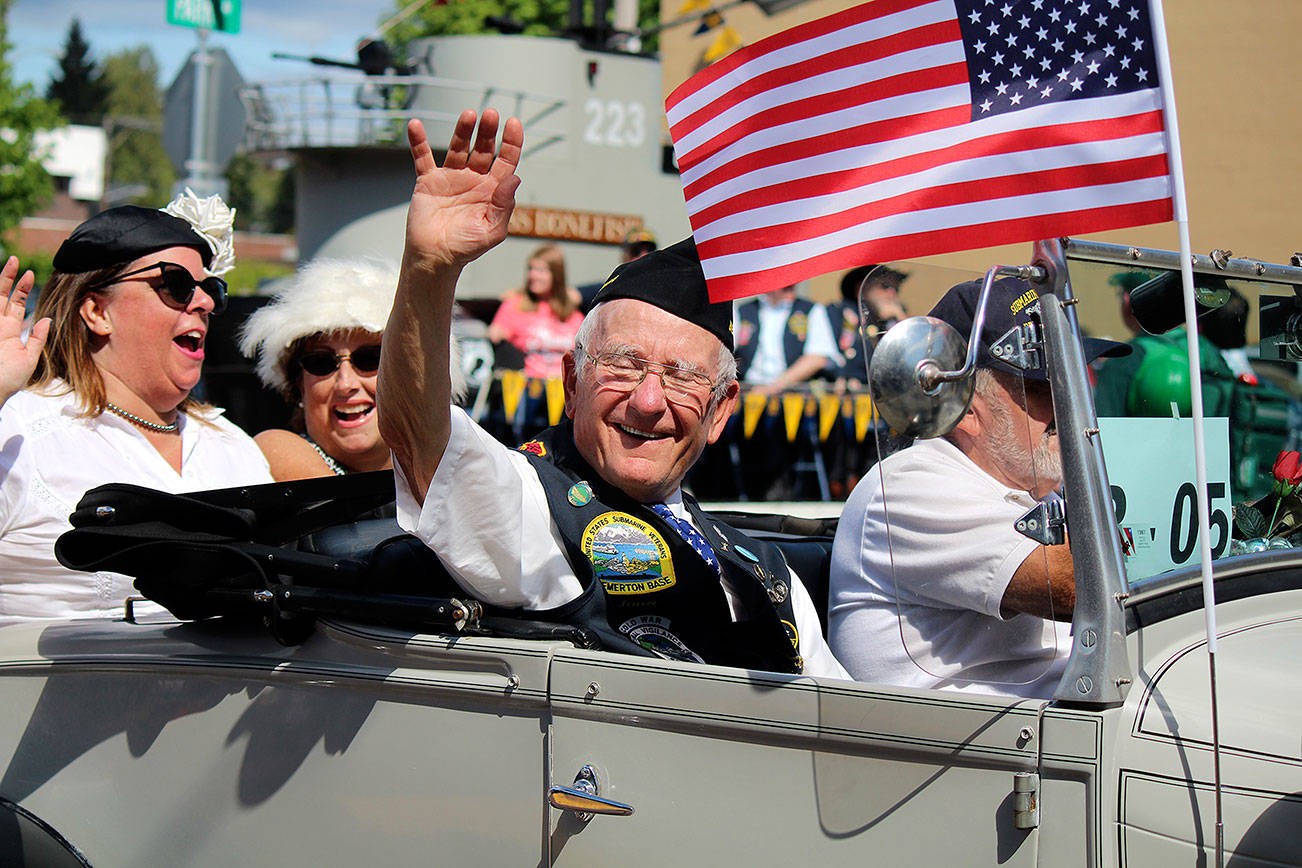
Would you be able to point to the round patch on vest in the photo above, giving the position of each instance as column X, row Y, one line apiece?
column 652, row 633
column 799, row 325
column 627, row 554
column 792, row 634
column 580, row 494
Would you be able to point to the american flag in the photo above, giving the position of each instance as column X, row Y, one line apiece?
column 903, row 128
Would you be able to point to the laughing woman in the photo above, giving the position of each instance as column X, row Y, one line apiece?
column 318, row 344
column 129, row 305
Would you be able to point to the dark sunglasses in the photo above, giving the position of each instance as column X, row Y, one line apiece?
column 323, row 363
column 179, row 284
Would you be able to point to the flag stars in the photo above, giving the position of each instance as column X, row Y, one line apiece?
column 1057, row 45
column 1101, row 20
column 1054, row 15
column 1142, row 74
column 1133, row 13
column 1001, row 89
column 979, row 47
column 1041, row 34
column 1046, row 64
column 985, row 106
column 1048, row 91
column 1138, row 43
column 1024, row 22
column 1062, row 76
column 1109, row 50
column 1037, row 5
column 984, row 76
column 1007, row 9
column 1092, row 68
column 975, row 17
column 997, row 58
column 1032, row 83
column 1015, row 99
column 1077, row 57
column 1111, row 80
column 993, row 29
column 1015, row 70
column 1076, row 84
column 1090, row 38
column 1125, row 62
column 1070, row 27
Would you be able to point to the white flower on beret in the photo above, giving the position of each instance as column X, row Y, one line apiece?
column 214, row 221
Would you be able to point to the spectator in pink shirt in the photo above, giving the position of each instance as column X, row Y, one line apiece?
column 540, row 318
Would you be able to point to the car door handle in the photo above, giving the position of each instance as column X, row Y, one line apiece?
column 584, row 797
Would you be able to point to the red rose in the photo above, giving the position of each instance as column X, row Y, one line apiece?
column 1287, row 472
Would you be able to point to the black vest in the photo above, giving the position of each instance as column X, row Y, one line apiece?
column 653, row 594
column 794, row 333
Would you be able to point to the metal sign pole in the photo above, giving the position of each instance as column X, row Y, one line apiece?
column 197, row 166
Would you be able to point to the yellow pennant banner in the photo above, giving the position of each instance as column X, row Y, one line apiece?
column 555, row 399
column 512, row 390
column 752, row 407
column 829, row 407
column 863, row 416
column 727, row 40
column 793, row 407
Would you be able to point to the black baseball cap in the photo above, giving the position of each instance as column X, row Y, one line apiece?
column 672, row 280
column 1011, row 303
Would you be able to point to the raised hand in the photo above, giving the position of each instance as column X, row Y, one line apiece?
column 461, row 210
column 17, row 360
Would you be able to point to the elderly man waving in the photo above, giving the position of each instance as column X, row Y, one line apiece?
column 586, row 524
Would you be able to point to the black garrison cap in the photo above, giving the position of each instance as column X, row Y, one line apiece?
column 122, row 234
column 672, row 280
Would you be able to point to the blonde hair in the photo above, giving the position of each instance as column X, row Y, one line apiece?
column 67, row 354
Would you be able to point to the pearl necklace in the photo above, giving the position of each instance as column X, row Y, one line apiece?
column 143, row 423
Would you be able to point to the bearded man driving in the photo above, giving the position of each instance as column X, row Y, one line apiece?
column 931, row 585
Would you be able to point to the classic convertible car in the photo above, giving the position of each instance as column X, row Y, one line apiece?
column 324, row 698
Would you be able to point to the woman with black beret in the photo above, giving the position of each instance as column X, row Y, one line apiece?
column 109, row 400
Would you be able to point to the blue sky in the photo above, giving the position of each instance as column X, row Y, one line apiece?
column 329, row 28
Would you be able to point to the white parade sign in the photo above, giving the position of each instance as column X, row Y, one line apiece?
column 1151, row 470
column 223, row 15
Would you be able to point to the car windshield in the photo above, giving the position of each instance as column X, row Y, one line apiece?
column 955, row 519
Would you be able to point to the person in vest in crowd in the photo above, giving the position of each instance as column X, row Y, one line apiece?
column 783, row 341
column 541, row 317
column 317, row 343
column 879, row 286
column 129, row 305
column 930, row 584
column 587, row 524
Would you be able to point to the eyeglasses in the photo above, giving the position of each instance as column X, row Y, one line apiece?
column 179, row 284
column 624, row 373
column 323, row 363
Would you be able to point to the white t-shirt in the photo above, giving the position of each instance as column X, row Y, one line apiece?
column 486, row 517
column 920, row 606
column 771, row 354
column 50, row 457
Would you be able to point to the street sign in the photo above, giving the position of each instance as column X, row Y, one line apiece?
column 223, row 15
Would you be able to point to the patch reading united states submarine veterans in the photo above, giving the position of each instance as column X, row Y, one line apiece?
column 627, row 554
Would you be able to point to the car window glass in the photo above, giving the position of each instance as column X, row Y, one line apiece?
column 1250, row 343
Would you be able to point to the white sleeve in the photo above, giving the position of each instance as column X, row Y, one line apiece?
column 819, row 659
column 821, row 341
column 486, row 517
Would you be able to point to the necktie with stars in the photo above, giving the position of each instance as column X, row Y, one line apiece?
column 690, row 534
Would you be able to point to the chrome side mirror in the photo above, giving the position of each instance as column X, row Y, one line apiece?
column 902, row 376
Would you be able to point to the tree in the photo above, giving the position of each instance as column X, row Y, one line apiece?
column 78, row 89
column 133, row 122
column 24, row 183
column 539, row 17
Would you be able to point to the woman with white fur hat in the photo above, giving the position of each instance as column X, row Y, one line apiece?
column 318, row 344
